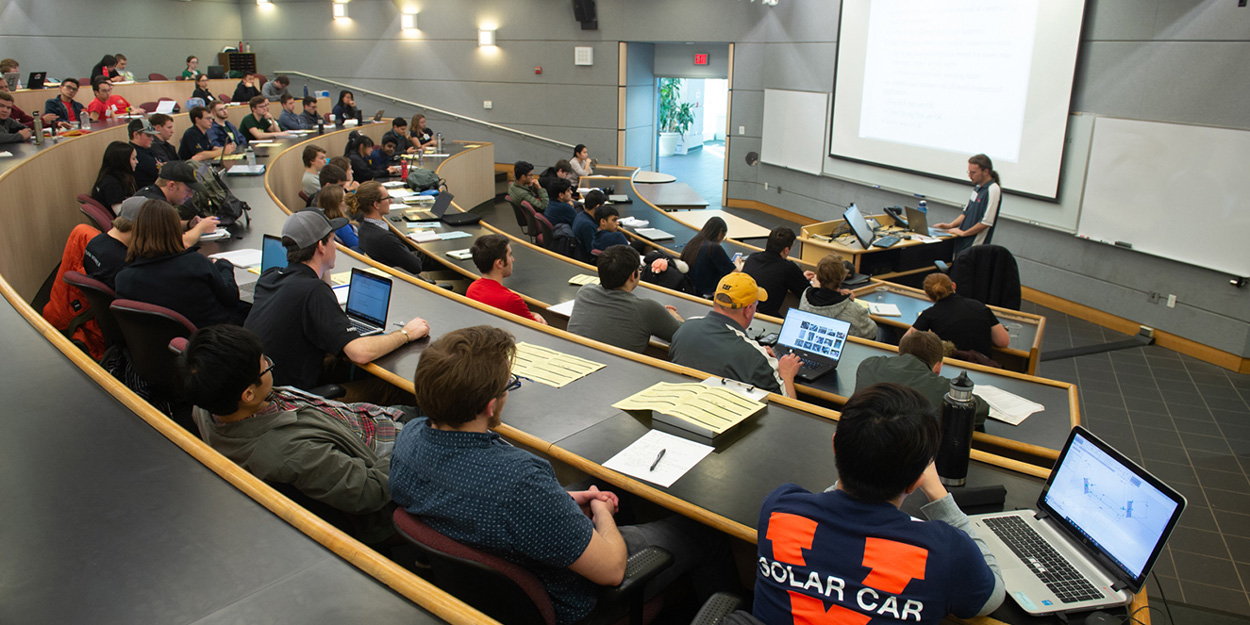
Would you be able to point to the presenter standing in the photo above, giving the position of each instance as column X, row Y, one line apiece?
column 975, row 225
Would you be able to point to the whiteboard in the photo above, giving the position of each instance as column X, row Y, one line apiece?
column 1170, row 190
column 793, row 134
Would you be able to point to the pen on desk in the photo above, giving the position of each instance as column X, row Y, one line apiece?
column 657, row 459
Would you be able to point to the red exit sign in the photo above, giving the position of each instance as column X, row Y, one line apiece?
column 700, row 59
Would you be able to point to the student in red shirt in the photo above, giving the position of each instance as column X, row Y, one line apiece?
column 105, row 105
column 493, row 256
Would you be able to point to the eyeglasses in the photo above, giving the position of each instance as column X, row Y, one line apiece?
column 514, row 383
column 267, row 369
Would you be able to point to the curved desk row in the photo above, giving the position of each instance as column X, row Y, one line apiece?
column 135, row 93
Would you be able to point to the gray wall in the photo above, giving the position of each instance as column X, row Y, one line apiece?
column 640, row 103
column 68, row 37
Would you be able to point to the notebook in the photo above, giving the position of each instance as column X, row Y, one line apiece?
column 368, row 300
column 816, row 339
column 1101, row 523
column 918, row 222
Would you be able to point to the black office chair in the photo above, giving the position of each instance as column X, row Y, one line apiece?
column 509, row 592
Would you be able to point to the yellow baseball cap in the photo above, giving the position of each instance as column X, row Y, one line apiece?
column 739, row 290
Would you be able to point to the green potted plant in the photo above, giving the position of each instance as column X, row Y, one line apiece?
column 675, row 117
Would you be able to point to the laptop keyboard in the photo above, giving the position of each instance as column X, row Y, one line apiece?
column 362, row 327
column 886, row 241
column 1053, row 569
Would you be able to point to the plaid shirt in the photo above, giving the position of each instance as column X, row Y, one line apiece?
column 377, row 426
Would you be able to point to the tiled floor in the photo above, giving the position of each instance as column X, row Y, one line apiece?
column 702, row 169
column 1189, row 423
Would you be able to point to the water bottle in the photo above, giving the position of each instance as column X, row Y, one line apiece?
column 38, row 128
column 924, row 207
column 958, row 413
column 439, row 137
column 321, row 125
column 251, row 157
column 84, row 120
column 404, row 168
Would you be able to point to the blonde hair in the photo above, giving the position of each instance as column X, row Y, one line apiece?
column 938, row 286
column 830, row 271
column 330, row 200
column 367, row 194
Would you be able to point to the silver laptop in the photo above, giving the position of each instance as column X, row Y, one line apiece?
column 816, row 339
column 368, row 300
column 918, row 222
column 1101, row 523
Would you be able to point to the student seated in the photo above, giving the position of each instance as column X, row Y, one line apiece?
column 105, row 104
column 707, row 259
column 399, row 134
column 333, row 452
column 560, row 171
column 201, row 90
column 773, row 270
column 458, row 476
column 718, row 343
column 120, row 68
column 827, row 298
column 310, row 116
column 611, row 313
column 106, row 69
column 330, row 174
column 259, row 125
column 288, row 119
column 245, row 90
column 345, row 108
column 11, row 130
column 64, row 107
column 609, row 232
column 162, row 149
column 193, row 68
column 176, row 184
column 222, row 131
column 422, row 136
column 332, row 201
column 585, row 226
column 141, row 135
column 581, row 164
column 855, row 555
column 314, row 160
column 362, row 170
column 560, row 209
column 298, row 319
column 967, row 323
column 381, row 156
column 526, row 188
column 161, row 270
column 492, row 254
column 918, row 366
column 195, row 144
column 275, row 89
column 116, row 180
column 105, row 254
column 345, row 164
column 370, row 205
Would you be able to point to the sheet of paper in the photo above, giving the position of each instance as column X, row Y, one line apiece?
column 5, row 154
column 583, row 279
column 393, row 184
column 240, row 258
column 882, row 309
column 564, row 309
column 924, row 238
column 216, row 235
column 345, row 277
column 550, row 367
column 679, row 456
column 746, row 390
column 263, row 144
column 232, row 157
column 464, row 254
column 239, row 170
column 340, row 293
column 400, row 192
column 710, row 407
column 454, row 234
column 423, row 236
column 1005, row 406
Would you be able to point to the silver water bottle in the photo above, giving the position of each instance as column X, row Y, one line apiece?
column 958, row 414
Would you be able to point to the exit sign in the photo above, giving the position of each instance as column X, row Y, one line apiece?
column 700, row 59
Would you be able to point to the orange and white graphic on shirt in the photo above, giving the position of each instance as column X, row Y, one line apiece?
column 892, row 565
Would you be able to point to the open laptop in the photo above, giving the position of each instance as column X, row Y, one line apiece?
column 216, row 72
column 863, row 231
column 368, row 300
column 466, row 218
column 816, row 339
column 441, row 202
column 1101, row 523
column 12, row 78
column 272, row 254
column 377, row 117
column 36, row 80
column 918, row 222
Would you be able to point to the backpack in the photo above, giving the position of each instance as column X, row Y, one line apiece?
column 216, row 200
column 423, row 179
column 671, row 278
column 562, row 240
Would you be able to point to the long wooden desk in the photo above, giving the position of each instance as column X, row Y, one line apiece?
column 1025, row 329
column 135, row 93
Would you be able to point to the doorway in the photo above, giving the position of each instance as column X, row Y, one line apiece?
column 690, row 143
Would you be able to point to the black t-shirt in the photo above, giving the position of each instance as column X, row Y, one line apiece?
column 103, row 257
column 960, row 320
column 146, row 171
column 193, row 142
column 109, row 192
column 164, row 151
column 153, row 192
column 775, row 275
column 299, row 321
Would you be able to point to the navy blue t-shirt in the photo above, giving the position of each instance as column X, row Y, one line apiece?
column 584, row 228
column 560, row 213
column 862, row 562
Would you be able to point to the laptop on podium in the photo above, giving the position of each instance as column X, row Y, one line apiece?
column 1100, row 524
column 918, row 222
column 815, row 339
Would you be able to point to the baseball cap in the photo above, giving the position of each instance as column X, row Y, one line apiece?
column 180, row 171
column 131, row 205
column 137, row 125
column 738, row 290
column 309, row 226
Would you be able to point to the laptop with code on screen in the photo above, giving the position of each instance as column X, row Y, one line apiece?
column 1100, row 524
column 368, row 300
column 816, row 339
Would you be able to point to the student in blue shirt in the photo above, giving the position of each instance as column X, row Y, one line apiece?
column 381, row 156
column 584, row 225
column 222, row 131
column 609, row 232
column 560, row 207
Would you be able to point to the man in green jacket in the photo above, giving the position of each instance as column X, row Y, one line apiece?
column 526, row 187
column 917, row 365
column 335, row 453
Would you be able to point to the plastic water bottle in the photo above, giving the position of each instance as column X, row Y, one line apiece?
column 958, row 414
column 84, row 120
column 251, row 157
column 924, row 207
column 404, row 169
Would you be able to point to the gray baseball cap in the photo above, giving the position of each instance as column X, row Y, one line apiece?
column 130, row 207
column 309, row 226
column 144, row 125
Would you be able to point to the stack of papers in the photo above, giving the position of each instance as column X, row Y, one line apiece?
column 216, row 235
column 400, row 192
column 393, row 184
column 423, row 236
column 633, row 222
column 1007, row 407
column 547, row 366
column 658, row 458
column 263, row 144
column 705, row 410
column 241, row 258
column 583, row 279
column 464, row 254
column 246, row 170
column 881, row 309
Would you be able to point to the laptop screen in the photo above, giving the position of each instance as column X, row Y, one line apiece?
column 858, row 225
column 1114, row 506
column 272, row 253
column 815, row 334
column 441, row 202
column 369, row 297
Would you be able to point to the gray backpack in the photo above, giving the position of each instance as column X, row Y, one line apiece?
column 423, row 179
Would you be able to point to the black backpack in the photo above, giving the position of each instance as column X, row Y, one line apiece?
column 216, row 200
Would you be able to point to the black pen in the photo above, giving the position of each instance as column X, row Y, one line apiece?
column 657, row 459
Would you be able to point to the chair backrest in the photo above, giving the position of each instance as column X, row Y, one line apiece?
column 224, row 97
column 546, row 237
column 988, row 274
column 148, row 329
column 100, row 297
column 97, row 212
column 530, row 221
column 156, row 76
column 307, row 198
column 149, row 107
column 522, row 219
column 505, row 591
